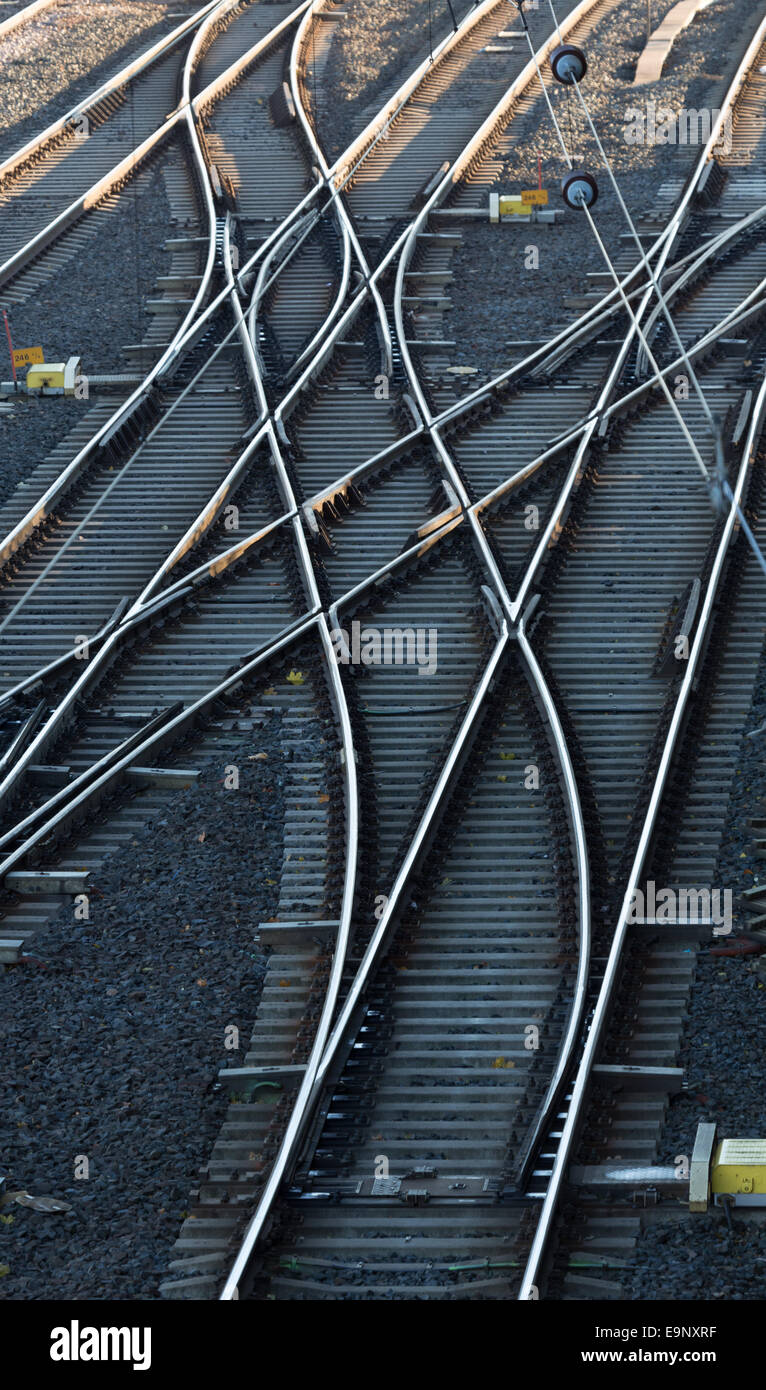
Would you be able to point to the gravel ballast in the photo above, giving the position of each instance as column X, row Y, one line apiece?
column 115, row 1029
column 722, row 1057
column 115, row 1034
column 60, row 57
column 60, row 317
column 498, row 296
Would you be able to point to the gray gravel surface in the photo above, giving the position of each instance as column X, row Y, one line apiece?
column 113, row 1036
column 61, row 318
column 699, row 1259
column 723, row 1041
column 373, row 50
column 50, row 64
column 30, row 433
column 526, row 302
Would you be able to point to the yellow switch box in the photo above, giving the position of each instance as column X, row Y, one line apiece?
column 511, row 206
column 57, row 376
column 739, row 1170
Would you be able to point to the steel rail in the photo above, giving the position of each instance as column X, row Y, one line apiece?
column 520, row 625
column 238, row 549
column 264, row 284
column 148, row 603
column 530, row 1281
column 711, row 250
column 215, row 89
column 314, row 1080
column 115, row 766
column 512, row 616
column 346, row 166
column 301, row 41
column 185, row 111
column 543, row 362
column 453, row 174
column 50, row 818
column 529, row 1287
column 188, row 332
column 430, row 533
column 524, row 79
column 239, row 470
column 293, row 231
column 39, row 512
column 246, row 345
column 566, row 337
column 513, row 612
column 212, row 509
column 320, row 1066
column 348, row 163
column 306, row 1104
column 349, row 760
column 553, row 526
column 37, row 145
column 625, row 402
column 208, row 514
column 23, row 16
column 341, row 485
column 67, row 704
column 120, row 171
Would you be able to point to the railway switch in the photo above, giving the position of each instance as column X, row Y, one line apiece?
column 739, row 1171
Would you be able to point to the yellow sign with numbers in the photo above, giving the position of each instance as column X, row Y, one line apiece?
column 28, row 357
column 534, row 195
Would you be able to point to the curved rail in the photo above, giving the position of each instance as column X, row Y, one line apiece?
column 37, row 145
column 66, row 706
column 530, row 1281
column 185, row 333
column 568, row 339
column 514, row 617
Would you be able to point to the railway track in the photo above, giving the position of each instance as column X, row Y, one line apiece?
column 408, row 1103
column 82, row 159
column 345, row 1136
column 37, row 583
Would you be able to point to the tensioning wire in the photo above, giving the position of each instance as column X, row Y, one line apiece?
column 717, row 483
